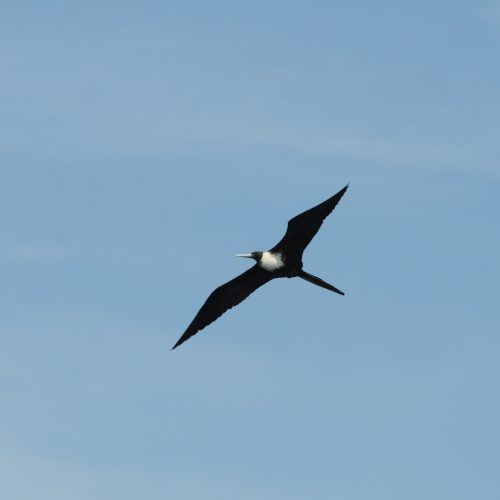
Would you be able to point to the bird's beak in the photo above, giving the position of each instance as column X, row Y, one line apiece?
column 249, row 255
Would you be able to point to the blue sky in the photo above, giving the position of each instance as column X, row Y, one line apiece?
column 143, row 144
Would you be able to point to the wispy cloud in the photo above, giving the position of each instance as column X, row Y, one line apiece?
column 394, row 152
column 492, row 13
column 13, row 249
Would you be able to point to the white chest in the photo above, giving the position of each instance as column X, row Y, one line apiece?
column 271, row 261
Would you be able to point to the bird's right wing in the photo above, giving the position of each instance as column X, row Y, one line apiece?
column 226, row 296
column 303, row 227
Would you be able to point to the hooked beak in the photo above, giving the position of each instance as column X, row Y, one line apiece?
column 249, row 255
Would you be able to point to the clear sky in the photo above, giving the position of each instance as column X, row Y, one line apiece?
column 143, row 144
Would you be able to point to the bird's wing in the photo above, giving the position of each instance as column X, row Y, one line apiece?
column 303, row 227
column 226, row 296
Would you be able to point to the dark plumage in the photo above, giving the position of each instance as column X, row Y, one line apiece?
column 283, row 260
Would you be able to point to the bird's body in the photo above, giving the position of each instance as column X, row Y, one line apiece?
column 271, row 261
column 283, row 260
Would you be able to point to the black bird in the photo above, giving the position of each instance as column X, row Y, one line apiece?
column 283, row 260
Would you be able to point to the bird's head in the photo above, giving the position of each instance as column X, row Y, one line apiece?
column 253, row 255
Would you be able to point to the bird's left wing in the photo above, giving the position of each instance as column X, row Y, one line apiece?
column 303, row 227
column 226, row 296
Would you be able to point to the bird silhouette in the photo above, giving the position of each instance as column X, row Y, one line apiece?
column 283, row 260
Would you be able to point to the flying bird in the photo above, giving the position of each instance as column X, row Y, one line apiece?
column 283, row 260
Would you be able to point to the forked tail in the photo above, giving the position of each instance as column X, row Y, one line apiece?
column 318, row 281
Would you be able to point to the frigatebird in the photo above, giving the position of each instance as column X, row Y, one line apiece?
column 283, row 260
